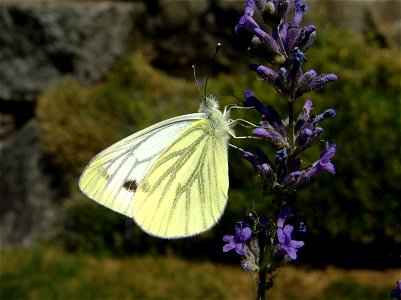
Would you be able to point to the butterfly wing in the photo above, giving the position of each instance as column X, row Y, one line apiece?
column 113, row 176
column 185, row 190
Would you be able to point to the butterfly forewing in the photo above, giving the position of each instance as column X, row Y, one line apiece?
column 114, row 175
column 185, row 190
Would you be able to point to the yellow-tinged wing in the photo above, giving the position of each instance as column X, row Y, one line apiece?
column 184, row 192
column 113, row 176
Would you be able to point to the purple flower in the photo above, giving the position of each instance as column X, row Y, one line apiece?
column 287, row 244
column 305, row 80
column 306, row 109
column 300, row 179
column 237, row 241
column 262, row 43
column 252, row 101
column 281, row 163
column 299, row 9
column 396, row 293
column 301, row 226
column 298, row 56
column 311, row 81
column 262, row 164
column 294, row 36
column 328, row 113
column 324, row 163
column 285, row 214
column 306, row 137
column 266, row 73
column 306, row 128
column 285, row 80
column 246, row 22
column 250, row 261
column 271, row 127
column 275, row 120
column 272, row 11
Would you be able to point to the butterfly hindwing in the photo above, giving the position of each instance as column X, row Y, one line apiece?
column 185, row 190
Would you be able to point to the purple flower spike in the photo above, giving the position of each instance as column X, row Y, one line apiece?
column 288, row 245
column 396, row 293
column 237, row 241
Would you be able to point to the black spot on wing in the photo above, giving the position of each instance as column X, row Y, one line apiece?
column 130, row 185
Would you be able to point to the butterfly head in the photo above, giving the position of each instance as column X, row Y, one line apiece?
column 208, row 103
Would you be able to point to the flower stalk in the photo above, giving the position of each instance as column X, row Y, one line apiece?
column 267, row 243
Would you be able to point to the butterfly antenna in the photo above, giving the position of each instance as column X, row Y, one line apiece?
column 196, row 79
column 218, row 46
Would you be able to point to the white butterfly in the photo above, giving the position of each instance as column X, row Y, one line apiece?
column 171, row 178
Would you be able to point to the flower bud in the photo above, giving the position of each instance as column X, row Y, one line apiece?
column 273, row 11
column 264, row 46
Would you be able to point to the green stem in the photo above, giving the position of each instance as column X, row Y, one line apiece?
column 280, row 42
column 262, row 266
column 290, row 130
column 262, row 285
column 290, row 135
column 262, row 277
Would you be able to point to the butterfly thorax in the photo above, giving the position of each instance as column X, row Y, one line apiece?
column 219, row 121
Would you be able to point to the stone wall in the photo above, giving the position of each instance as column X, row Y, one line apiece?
column 40, row 43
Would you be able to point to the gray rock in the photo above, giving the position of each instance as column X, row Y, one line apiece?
column 30, row 206
column 40, row 42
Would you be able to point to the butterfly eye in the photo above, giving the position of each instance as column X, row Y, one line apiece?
column 130, row 185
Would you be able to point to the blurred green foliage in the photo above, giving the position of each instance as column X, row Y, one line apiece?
column 362, row 200
column 48, row 272
column 359, row 205
column 79, row 121
column 348, row 289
